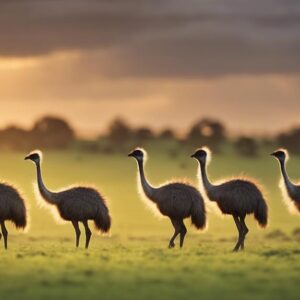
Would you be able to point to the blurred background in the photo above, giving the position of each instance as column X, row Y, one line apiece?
column 87, row 81
column 158, row 64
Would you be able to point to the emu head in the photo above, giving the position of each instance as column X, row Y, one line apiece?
column 138, row 154
column 34, row 156
column 202, row 155
column 280, row 154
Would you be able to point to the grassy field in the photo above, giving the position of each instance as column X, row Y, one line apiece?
column 134, row 261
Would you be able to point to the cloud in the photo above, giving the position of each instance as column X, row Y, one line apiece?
column 151, row 38
column 69, row 86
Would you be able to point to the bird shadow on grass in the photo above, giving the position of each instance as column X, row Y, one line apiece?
column 296, row 234
column 280, row 253
column 32, row 254
column 225, row 240
column 145, row 239
column 278, row 235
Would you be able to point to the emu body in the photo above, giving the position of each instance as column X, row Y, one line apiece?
column 77, row 204
column 177, row 201
column 12, row 208
column 292, row 189
column 238, row 198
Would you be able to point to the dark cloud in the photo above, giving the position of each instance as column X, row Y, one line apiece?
column 151, row 38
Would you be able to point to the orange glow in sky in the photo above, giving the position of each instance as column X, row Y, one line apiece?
column 56, row 84
column 159, row 65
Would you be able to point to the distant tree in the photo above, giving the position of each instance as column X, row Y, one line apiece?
column 207, row 132
column 167, row 134
column 15, row 138
column 119, row 132
column 290, row 140
column 143, row 134
column 52, row 133
column 246, row 146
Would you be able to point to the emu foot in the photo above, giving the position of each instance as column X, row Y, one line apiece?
column 171, row 245
column 236, row 249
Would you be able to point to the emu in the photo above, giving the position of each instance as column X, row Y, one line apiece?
column 12, row 208
column 236, row 197
column 176, row 200
column 292, row 189
column 76, row 204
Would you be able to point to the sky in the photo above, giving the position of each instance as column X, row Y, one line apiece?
column 159, row 63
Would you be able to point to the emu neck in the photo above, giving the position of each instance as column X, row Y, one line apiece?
column 147, row 188
column 46, row 194
column 289, row 185
column 206, row 183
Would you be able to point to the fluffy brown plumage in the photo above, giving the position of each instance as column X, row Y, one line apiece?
column 76, row 204
column 12, row 208
column 176, row 200
column 237, row 197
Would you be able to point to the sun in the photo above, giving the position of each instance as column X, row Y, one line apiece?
column 17, row 63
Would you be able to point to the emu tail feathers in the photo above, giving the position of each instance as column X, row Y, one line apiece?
column 198, row 214
column 103, row 220
column 261, row 213
column 19, row 217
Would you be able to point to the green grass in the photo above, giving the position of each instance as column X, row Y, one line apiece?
column 134, row 262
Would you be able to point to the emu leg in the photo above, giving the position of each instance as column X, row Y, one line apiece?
column 183, row 232
column 5, row 234
column 77, row 231
column 88, row 234
column 245, row 231
column 177, row 228
column 0, row 236
column 239, row 228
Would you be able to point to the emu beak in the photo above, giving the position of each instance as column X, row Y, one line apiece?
column 130, row 154
column 26, row 158
column 193, row 155
column 272, row 154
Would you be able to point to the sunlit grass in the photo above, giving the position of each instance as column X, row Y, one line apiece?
column 134, row 262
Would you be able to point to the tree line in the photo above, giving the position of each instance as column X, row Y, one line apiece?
column 51, row 132
column 46, row 133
